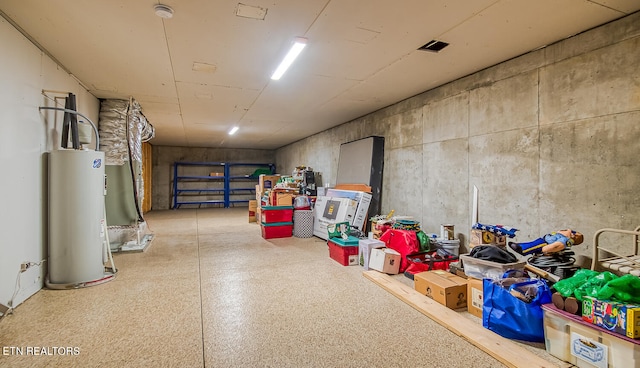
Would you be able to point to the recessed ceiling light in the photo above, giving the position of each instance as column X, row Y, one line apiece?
column 163, row 11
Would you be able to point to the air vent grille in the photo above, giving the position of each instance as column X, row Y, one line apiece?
column 434, row 46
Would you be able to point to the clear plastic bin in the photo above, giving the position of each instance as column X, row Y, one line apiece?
column 564, row 333
column 481, row 269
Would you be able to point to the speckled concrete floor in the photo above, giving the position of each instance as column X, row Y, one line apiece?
column 210, row 292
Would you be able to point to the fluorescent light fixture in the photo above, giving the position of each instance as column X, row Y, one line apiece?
column 233, row 130
column 296, row 49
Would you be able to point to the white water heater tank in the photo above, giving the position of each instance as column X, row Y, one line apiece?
column 76, row 216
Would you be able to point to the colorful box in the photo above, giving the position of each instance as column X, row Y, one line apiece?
column 621, row 318
column 474, row 296
column 277, row 230
column 483, row 237
column 272, row 214
column 365, row 246
column 443, row 287
column 385, row 260
column 344, row 251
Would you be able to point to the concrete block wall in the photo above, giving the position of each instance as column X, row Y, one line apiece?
column 550, row 139
column 165, row 156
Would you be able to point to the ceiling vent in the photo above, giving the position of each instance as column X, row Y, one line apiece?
column 434, row 46
column 253, row 12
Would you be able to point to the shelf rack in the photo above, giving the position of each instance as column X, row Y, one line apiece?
column 223, row 191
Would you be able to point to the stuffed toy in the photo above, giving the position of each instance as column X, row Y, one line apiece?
column 550, row 243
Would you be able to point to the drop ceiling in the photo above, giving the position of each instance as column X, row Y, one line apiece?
column 208, row 67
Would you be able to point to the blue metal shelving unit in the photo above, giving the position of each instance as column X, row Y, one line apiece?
column 227, row 190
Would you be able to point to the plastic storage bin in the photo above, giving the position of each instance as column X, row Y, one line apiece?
column 273, row 214
column 343, row 251
column 451, row 246
column 569, row 338
column 277, row 230
column 480, row 269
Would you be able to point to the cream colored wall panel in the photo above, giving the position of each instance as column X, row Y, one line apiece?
column 26, row 135
column 22, row 218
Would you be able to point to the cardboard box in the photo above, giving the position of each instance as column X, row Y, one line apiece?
column 481, row 237
column 281, row 198
column 259, row 194
column 365, row 246
column 385, row 260
column 267, row 181
column 474, row 296
column 253, row 206
column 443, row 287
column 328, row 210
column 621, row 318
column 362, row 208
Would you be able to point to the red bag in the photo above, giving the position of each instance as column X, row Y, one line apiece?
column 402, row 241
column 428, row 261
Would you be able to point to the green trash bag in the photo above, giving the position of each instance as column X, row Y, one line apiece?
column 584, row 283
column 593, row 285
column 425, row 245
column 567, row 287
column 624, row 289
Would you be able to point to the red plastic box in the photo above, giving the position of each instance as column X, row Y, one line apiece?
column 277, row 230
column 344, row 252
column 273, row 214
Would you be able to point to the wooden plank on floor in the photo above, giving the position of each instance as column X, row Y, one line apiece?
column 502, row 349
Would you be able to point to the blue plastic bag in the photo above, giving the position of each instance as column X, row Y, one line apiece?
column 511, row 317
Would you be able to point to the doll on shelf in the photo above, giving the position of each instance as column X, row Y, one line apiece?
column 550, row 243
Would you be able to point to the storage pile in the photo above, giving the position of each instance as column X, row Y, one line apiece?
column 529, row 291
column 587, row 318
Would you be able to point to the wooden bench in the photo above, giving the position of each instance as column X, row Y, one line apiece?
column 613, row 261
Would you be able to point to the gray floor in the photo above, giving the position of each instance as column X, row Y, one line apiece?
column 211, row 292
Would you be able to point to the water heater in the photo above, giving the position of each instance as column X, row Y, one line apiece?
column 76, row 218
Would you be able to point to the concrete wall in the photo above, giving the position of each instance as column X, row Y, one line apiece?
column 165, row 156
column 26, row 136
column 551, row 140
